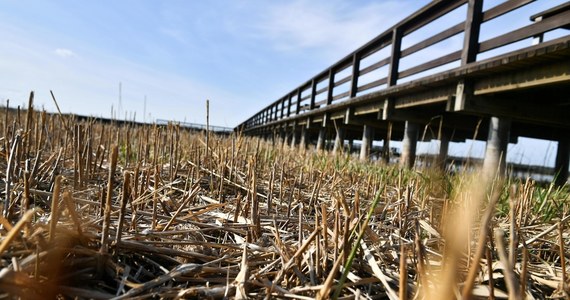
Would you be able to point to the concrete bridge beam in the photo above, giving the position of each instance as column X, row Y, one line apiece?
column 562, row 161
column 366, row 143
column 409, row 143
column 496, row 150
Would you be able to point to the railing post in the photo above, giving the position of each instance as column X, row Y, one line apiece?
column 330, row 86
column 275, row 109
column 355, row 74
column 282, row 108
column 472, row 28
column 298, row 109
column 313, row 94
column 289, row 105
column 392, row 78
column 395, row 57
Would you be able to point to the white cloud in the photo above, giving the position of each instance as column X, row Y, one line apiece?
column 89, row 85
column 334, row 28
column 65, row 53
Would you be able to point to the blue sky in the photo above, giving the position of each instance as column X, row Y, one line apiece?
column 239, row 54
column 177, row 53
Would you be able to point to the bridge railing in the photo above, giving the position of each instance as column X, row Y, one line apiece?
column 395, row 56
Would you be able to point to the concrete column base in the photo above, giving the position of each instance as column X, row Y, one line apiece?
column 303, row 142
column 321, row 140
column 409, row 144
column 443, row 150
column 294, row 138
column 366, row 143
column 339, row 140
column 494, row 163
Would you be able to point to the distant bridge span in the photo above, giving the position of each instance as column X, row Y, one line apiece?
column 497, row 89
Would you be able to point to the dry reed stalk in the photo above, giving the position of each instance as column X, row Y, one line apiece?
column 10, row 163
column 489, row 258
column 524, row 273
column 326, row 286
column 271, row 187
column 108, row 202
column 469, row 283
column 14, row 231
column 241, row 279
column 510, row 277
column 124, row 200
column 193, row 192
column 61, row 119
column 318, row 246
column 512, row 228
column 54, row 208
column 5, row 127
column 155, row 198
column 211, row 225
column 544, row 232
column 324, row 226
column 562, row 255
column 403, row 293
column 26, row 199
column 72, row 212
column 420, row 258
column 28, row 127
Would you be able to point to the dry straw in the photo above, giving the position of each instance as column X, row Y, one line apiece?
column 98, row 210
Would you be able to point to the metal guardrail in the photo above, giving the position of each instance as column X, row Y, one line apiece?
column 363, row 61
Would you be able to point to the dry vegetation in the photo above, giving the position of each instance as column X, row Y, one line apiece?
column 94, row 210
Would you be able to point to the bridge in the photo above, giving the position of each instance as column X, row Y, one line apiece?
column 198, row 127
column 402, row 85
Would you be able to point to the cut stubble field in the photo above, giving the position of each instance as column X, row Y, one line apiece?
column 101, row 210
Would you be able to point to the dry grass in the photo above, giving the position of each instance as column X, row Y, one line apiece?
column 103, row 211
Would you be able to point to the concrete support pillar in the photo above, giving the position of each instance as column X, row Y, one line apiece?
column 562, row 161
column 366, row 143
column 285, row 138
column 303, row 142
column 273, row 137
column 293, row 137
column 386, row 146
column 321, row 139
column 496, row 150
column 339, row 140
column 409, row 144
column 443, row 150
